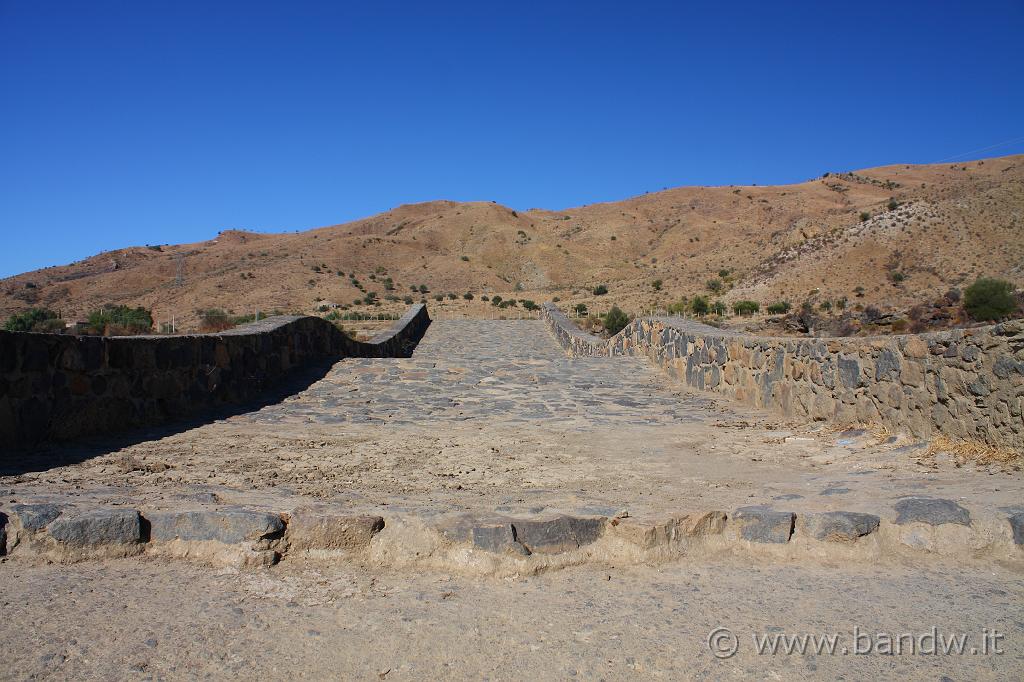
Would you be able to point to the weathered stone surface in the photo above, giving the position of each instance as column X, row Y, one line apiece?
column 311, row 528
column 229, row 526
column 3, row 533
column 94, row 528
column 559, row 534
column 934, row 512
column 757, row 524
column 700, row 523
column 1017, row 526
column 35, row 517
column 839, row 526
column 499, row 538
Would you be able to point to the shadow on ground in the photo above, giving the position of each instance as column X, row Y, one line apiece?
column 14, row 462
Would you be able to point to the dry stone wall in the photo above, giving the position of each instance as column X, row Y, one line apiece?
column 964, row 383
column 58, row 387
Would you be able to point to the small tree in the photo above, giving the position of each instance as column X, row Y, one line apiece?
column 600, row 290
column 580, row 308
column 616, row 320
column 714, row 285
column 745, row 307
column 33, row 319
column 699, row 305
column 778, row 308
column 989, row 299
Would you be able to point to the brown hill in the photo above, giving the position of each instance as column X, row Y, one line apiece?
column 953, row 223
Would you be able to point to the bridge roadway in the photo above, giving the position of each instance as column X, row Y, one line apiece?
column 491, row 416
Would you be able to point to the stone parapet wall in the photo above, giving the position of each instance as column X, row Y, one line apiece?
column 59, row 387
column 964, row 383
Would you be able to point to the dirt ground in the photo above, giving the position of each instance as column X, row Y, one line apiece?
column 133, row 619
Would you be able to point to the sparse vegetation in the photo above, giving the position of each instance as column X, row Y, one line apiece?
column 778, row 308
column 600, row 290
column 714, row 285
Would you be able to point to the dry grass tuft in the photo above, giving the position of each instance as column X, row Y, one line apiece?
column 964, row 451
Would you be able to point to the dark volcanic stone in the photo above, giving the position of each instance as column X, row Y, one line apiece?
column 1017, row 525
column 764, row 525
column 934, row 512
column 35, row 517
column 559, row 534
column 231, row 526
column 839, row 526
column 97, row 527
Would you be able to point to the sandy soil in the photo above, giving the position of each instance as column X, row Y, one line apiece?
column 149, row 620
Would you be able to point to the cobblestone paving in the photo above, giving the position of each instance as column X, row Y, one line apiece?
column 499, row 371
column 492, row 416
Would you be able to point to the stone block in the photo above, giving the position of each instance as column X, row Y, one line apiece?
column 318, row 529
column 934, row 512
column 35, row 517
column 757, row 524
column 95, row 528
column 229, row 526
column 1017, row 527
column 560, row 534
column 839, row 526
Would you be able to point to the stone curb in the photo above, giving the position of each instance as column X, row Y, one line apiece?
column 249, row 538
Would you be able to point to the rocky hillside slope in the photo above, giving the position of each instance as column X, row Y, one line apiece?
column 889, row 236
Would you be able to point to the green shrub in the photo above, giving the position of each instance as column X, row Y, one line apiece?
column 496, row 300
column 580, row 308
column 989, row 299
column 656, row 284
column 778, row 308
column 530, row 305
column 714, row 285
column 718, row 308
column 120, row 320
column 468, row 296
column 600, row 290
column 864, row 216
column 745, row 307
column 27, row 321
column 699, row 305
column 616, row 320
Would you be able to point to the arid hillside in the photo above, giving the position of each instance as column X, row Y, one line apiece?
column 890, row 236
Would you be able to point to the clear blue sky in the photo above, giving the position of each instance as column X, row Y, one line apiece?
column 133, row 122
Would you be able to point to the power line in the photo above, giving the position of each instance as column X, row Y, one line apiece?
column 983, row 149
